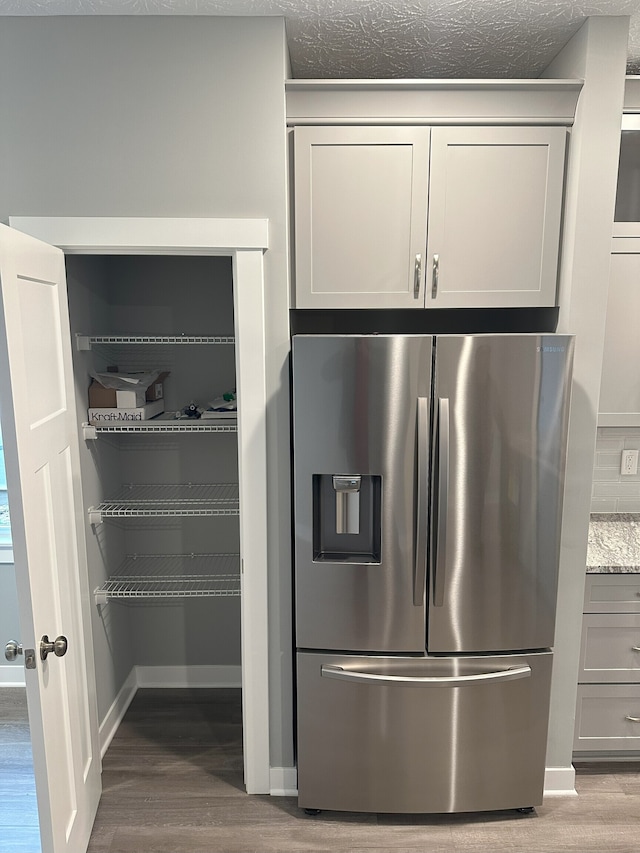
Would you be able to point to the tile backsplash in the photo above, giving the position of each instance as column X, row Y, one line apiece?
column 612, row 492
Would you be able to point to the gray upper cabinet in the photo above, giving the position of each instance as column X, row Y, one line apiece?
column 495, row 205
column 360, row 216
column 412, row 217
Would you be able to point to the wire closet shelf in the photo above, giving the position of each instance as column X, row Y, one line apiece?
column 165, row 423
column 166, row 576
column 153, row 501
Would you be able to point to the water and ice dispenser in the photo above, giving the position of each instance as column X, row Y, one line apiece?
column 346, row 518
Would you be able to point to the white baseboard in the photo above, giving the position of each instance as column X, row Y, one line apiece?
column 12, row 676
column 189, row 676
column 113, row 717
column 283, row 782
column 560, row 782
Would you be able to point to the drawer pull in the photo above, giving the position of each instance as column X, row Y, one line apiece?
column 513, row 672
column 635, row 648
column 632, row 719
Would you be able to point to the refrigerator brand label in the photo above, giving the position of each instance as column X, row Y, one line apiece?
column 551, row 349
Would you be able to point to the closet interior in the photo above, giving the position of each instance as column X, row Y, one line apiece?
column 161, row 495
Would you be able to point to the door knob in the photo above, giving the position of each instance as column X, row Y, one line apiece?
column 58, row 647
column 12, row 650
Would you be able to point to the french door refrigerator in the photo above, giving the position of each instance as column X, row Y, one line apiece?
column 428, row 482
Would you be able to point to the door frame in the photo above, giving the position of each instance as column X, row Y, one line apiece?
column 245, row 241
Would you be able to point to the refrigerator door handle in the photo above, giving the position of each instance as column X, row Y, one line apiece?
column 440, row 549
column 420, row 568
column 510, row 674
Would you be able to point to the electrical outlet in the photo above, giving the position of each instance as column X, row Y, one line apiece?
column 629, row 462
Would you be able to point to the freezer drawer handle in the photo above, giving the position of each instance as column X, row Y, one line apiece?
column 635, row 648
column 632, row 719
column 511, row 674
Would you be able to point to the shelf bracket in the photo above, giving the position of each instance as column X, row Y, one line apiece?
column 100, row 596
column 89, row 432
column 95, row 516
column 83, row 342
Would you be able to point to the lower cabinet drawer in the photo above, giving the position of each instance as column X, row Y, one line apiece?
column 604, row 593
column 607, row 717
column 610, row 650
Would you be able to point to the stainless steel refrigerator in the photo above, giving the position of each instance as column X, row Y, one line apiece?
column 428, row 483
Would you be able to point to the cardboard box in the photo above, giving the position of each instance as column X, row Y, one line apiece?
column 107, row 398
column 130, row 399
column 116, row 416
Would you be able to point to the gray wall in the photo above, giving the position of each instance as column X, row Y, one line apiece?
column 613, row 491
column 165, row 116
column 9, row 623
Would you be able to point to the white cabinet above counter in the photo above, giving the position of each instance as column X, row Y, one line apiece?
column 418, row 217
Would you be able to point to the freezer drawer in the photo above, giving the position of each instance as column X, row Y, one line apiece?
column 383, row 734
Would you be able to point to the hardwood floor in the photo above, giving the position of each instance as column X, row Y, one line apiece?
column 19, row 830
column 172, row 782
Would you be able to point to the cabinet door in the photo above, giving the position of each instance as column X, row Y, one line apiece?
column 360, row 216
column 620, row 388
column 495, row 199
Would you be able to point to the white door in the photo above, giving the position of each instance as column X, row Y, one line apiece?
column 40, row 432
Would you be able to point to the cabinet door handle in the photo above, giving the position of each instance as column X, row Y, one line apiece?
column 635, row 648
column 632, row 719
column 434, row 276
column 417, row 275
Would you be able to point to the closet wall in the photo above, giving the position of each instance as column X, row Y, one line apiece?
column 165, row 116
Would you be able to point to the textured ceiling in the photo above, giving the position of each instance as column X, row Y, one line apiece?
column 393, row 38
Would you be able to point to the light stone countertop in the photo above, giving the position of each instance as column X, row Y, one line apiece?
column 614, row 543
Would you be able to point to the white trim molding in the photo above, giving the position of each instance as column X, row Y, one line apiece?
column 244, row 240
column 432, row 102
column 12, row 676
column 560, row 782
column 109, row 726
column 132, row 235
